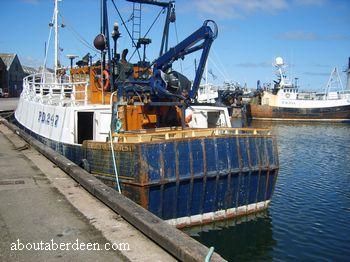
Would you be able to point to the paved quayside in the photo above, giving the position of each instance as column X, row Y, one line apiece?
column 39, row 202
column 8, row 104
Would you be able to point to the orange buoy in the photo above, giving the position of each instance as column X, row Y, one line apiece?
column 105, row 74
column 188, row 118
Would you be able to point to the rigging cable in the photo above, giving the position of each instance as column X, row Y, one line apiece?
column 48, row 44
column 111, row 144
column 177, row 39
column 78, row 36
column 127, row 30
column 149, row 29
column 222, row 66
column 217, row 68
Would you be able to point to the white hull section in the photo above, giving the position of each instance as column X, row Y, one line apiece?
column 289, row 98
column 60, row 123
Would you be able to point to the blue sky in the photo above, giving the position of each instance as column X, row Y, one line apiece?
column 312, row 36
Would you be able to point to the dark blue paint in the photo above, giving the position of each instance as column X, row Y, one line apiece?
column 209, row 199
column 151, row 155
column 222, row 160
column 234, row 186
column 169, row 154
column 243, row 189
column 254, row 159
column 183, row 199
column 196, row 206
column 270, row 152
column 197, row 157
column 271, row 179
column 184, row 159
column 261, row 151
column 233, row 153
column 154, row 204
column 262, row 187
column 243, row 152
column 222, row 193
column 169, row 195
column 210, row 153
column 253, row 187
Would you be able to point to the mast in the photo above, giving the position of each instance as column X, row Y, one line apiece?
column 348, row 76
column 334, row 81
column 56, row 39
column 206, row 81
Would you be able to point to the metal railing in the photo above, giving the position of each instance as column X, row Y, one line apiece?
column 47, row 89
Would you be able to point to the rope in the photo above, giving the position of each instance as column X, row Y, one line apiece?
column 209, row 255
column 111, row 143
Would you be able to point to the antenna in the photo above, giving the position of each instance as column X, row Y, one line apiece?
column 71, row 58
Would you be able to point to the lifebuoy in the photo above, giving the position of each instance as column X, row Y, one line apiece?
column 188, row 118
column 105, row 74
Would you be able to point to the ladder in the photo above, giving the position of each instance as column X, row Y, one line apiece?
column 136, row 23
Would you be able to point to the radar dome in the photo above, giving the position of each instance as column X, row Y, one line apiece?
column 279, row 61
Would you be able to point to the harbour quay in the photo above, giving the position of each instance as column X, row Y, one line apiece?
column 42, row 204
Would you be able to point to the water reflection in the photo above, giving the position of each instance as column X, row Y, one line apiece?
column 308, row 218
column 242, row 239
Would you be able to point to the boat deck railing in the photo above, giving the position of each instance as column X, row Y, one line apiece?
column 47, row 89
column 163, row 134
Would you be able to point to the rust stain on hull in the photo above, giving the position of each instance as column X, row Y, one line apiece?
column 339, row 113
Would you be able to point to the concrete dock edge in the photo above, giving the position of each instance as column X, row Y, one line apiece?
column 177, row 243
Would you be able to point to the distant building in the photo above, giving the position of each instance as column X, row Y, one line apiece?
column 11, row 74
column 3, row 80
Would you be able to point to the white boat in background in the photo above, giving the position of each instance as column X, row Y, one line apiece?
column 286, row 102
column 201, row 116
column 207, row 93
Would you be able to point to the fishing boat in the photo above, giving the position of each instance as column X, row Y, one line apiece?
column 286, row 102
column 132, row 125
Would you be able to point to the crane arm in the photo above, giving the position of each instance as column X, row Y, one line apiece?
column 189, row 45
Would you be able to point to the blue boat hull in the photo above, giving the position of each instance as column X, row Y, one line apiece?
column 186, row 181
column 193, row 180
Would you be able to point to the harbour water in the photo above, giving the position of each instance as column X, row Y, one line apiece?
column 309, row 216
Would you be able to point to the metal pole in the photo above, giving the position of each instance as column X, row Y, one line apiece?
column 164, row 44
column 102, row 55
column 56, row 40
column 348, row 76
